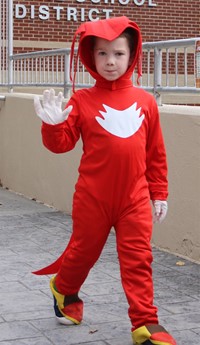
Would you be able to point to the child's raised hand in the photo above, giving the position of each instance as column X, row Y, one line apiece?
column 160, row 210
column 50, row 111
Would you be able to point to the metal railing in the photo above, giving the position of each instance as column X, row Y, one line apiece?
column 4, row 42
column 168, row 66
column 176, row 66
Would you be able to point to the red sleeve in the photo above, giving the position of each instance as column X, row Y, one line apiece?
column 62, row 137
column 156, row 162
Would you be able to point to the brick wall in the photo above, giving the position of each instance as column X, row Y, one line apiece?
column 170, row 19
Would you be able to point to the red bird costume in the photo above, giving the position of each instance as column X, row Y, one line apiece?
column 123, row 166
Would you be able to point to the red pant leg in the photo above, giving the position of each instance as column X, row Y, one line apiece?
column 91, row 227
column 133, row 232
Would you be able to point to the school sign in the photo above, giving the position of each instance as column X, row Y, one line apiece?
column 54, row 22
column 44, row 12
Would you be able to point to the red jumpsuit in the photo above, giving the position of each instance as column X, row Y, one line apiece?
column 123, row 166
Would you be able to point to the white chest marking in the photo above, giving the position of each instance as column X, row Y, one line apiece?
column 122, row 123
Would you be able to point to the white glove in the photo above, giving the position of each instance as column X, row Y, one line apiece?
column 51, row 111
column 160, row 210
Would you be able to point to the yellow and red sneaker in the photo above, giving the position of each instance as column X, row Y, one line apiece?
column 152, row 335
column 68, row 309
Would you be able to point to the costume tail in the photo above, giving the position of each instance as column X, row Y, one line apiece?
column 53, row 268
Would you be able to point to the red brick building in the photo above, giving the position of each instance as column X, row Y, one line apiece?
column 51, row 24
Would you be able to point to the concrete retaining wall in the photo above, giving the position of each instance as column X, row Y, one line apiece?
column 28, row 168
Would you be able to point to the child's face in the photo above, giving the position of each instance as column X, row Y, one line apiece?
column 112, row 58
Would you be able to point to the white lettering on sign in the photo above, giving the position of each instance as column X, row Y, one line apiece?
column 20, row 11
column 109, row 1
column 32, row 11
column 92, row 14
column 123, row 2
column 139, row 3
column 107, row 12
column 58, row 9
column 72, row 14
column 44, row 12
column 95, row 1
column 151, row 3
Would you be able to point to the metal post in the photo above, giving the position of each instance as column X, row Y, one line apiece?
column 157, row 74
column 197, row 63
column 66, row 74
column 3, row 41
column 10, row 45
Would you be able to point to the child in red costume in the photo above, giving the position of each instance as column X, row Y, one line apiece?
column 123, row 166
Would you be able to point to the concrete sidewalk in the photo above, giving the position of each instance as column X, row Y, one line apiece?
column 32, row 235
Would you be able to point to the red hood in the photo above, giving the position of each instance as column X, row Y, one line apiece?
column 108, row 29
